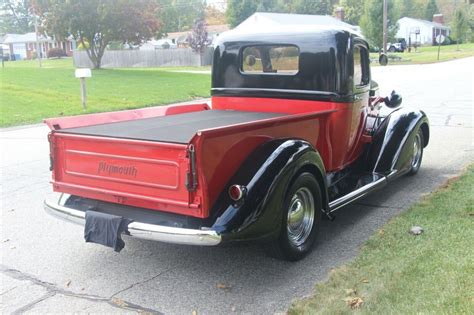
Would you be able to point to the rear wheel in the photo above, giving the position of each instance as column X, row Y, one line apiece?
column 417, row 154
column 300, row 221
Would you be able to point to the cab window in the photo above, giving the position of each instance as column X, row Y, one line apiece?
column 361, row 70
column 261, row 59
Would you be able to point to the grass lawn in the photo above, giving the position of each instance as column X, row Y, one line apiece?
column 429, row 54
column 399, row 273
column 29, row 94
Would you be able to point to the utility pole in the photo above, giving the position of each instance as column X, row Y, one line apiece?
column 38, row 50
column 384, row 26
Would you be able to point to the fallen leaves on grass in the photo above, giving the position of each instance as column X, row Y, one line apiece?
column 354, row 302
column 352, row 299
column 381, row 232
column 365, row 281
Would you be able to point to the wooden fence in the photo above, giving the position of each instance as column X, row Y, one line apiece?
column 146, row 58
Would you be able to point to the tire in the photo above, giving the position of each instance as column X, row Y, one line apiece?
column 417, row 155
column 301, row 217
column 392, row 49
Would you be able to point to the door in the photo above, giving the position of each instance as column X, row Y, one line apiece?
column 361, row 87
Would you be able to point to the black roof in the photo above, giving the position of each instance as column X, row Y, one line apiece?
column 325, row 60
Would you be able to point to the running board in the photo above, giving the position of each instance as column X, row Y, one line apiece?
column 357, row 194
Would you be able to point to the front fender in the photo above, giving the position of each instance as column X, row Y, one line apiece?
column 391, row 148
column 267, row 174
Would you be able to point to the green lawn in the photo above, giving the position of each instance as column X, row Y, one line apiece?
column 429, row 54
column 29, row 94
column 399, row 273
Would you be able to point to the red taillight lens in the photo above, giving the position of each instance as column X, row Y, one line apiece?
column 237, row 192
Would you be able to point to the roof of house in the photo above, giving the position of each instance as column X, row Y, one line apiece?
column 211, row 29
column 271, row 21
column 424, row 22
column 24, row 38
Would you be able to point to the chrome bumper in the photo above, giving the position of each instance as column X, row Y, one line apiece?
column 140, row 230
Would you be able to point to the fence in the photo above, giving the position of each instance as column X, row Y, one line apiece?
column 146, row 58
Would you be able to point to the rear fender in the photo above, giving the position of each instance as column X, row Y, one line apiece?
column 266, row 173
column 390, row 149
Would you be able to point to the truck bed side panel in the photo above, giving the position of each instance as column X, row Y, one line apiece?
column 221, row 151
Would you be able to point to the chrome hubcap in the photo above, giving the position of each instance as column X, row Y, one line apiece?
column 417, row 147
column 300, row 216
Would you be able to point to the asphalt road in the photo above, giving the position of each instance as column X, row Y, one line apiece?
column 47, row 267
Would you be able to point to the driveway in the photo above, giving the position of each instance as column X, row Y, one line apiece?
column 47, row 267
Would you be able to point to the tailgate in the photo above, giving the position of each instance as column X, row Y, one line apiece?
column 141, row 173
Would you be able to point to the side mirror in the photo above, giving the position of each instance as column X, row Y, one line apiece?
column 394, row 101
column 374, row 89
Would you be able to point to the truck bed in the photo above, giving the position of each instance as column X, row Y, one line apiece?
column 173, row 128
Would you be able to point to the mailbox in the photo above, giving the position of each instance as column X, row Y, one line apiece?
column 83, row 73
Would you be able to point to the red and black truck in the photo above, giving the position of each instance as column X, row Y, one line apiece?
column 293, row 132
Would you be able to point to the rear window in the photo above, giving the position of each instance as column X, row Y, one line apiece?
column 280, row 59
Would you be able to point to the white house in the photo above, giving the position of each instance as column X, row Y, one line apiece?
column 153, row 44
column 420, row 32
column 23, row 46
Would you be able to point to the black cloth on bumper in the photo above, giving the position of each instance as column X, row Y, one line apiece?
column 105, row 229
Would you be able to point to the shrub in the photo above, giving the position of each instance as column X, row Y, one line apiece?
column 56, row 53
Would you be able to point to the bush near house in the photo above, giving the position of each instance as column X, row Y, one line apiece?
column 56, row 53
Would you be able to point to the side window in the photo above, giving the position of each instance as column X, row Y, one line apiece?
column 361, row 67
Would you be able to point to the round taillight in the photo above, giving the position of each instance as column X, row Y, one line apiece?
column 237, row 192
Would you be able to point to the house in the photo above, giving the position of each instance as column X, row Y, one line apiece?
column 421, row 32
column 163, row 43
column 23, row 46
column 270, row 21
column 181, row 38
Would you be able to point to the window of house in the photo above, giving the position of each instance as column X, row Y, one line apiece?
column 261, row 59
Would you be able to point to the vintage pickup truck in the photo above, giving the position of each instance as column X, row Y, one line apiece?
column 295, row 130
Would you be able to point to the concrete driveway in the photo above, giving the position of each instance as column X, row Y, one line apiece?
column 47, row 267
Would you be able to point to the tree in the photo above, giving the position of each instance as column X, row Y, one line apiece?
column 16, row 17
column 239, row 10
column 460, row 25
column 322, row 7
column 353, row 10
column 409, row 8
column 214, row 16
column 371, row 21
column 198, row 38
column 430, row 10
column 99, row 22
column 180, row 15
column 471, row 23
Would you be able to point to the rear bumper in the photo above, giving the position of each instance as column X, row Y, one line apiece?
column 139, row 229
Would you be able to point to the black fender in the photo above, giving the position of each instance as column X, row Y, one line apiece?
column 391, row 148
column 267, row 174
